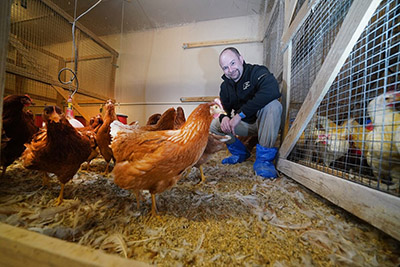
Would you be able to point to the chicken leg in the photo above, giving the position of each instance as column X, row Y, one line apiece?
column 60, row 198
column 203, row 177
column 154, row 206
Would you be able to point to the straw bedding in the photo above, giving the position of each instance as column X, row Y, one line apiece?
column 235, row 218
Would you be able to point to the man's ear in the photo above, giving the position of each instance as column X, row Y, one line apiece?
column 241, row 59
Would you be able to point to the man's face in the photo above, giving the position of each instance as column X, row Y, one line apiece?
column 231, row 65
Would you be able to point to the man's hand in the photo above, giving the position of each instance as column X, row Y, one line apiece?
column 225, row 125
column 234, row 122
column 228, row 125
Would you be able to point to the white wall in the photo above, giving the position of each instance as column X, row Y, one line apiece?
column 155, row 71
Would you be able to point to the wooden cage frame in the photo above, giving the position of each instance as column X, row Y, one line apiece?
column 377, row 208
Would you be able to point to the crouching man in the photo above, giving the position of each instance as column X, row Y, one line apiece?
column 249, row 94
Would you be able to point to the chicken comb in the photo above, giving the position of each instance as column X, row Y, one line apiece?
column 30, row 100
column 219, row 103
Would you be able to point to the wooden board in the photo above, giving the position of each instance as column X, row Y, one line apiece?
column 198, row 99
column 20, row 247
column 219, row 42
column 377, row 208
column 297, row 22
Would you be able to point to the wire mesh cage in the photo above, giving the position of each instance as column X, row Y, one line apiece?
column 272, row 44
column 355, row 133
column 41, row 44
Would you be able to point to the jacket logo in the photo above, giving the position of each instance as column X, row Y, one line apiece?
column 246, row 85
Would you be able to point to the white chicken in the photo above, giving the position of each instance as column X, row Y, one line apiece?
column 335, row 138
column 382, row 143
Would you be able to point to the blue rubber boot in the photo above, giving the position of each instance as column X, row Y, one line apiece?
column 264, row 166
column 239, row 153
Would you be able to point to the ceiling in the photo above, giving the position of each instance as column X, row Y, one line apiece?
column 136, row 15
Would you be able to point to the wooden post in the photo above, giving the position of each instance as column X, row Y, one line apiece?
column 5, row 13
column 112, row 78
column 287, row 72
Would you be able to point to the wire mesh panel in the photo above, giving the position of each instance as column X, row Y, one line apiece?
column 311, row 44
column 355, row 132
column 273, row 53
column 41, row 44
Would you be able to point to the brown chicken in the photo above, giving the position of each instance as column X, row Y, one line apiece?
column 215, row 143
column 180, row 118
column 103, row 137
column 90, row 131
column 57, row 148
column 153, row 119
column 166, row 122
column 18, row 128
column 155, row 160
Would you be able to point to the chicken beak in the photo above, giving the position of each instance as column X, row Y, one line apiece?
column 54, row 116
column 216, row 111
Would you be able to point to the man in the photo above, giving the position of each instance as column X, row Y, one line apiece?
column 249, row 96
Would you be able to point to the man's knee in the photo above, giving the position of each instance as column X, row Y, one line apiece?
column 273, row 109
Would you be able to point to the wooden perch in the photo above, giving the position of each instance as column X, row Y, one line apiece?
column 198, row 99
column 221, row 42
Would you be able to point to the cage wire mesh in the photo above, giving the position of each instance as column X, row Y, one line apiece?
column 272, row 44
column 40, row 45
column 355, row 132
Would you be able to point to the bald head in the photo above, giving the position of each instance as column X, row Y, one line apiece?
column 231, row 63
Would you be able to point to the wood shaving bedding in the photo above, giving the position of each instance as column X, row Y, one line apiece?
column 235, row 218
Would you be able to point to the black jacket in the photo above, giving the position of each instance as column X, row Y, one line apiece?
column 256, row 88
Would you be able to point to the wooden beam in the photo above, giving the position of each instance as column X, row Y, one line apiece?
column 220, row 42
column 290, row 6
column 69, row 18
column 353, row 25
column 20, row 247
column 380, row 209
column 75, row 104
column 38, row 48
column 20, row 71
column 199, row 99
column 91, row 57
column 298, row 21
